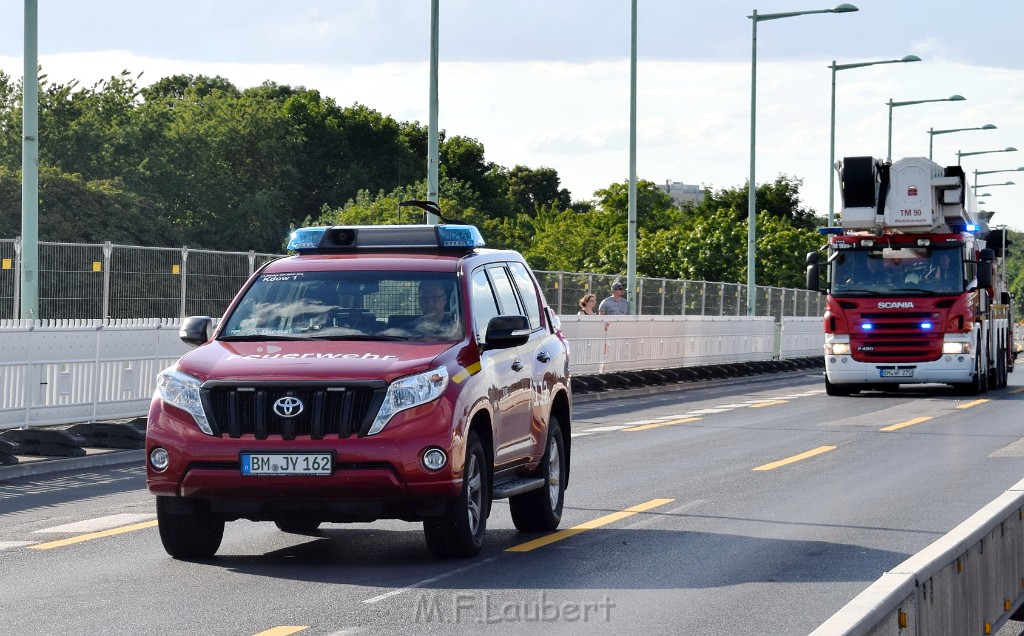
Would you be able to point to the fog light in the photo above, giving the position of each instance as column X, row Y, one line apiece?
column 434, row 459
column 159, row 459
column 832, row 360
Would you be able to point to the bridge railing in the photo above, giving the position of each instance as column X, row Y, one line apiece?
column 108, row 281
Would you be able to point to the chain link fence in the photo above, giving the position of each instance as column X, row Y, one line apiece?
column 108, row 281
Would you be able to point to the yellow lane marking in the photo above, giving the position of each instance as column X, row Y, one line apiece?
column 94, row 535
column 1017, row 390
column 795, row 458
column 970, row 404
column 590, row 525
column 895, row 427
column 772, row 403
column 644, row 427
column 283, row 630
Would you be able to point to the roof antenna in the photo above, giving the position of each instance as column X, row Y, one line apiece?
column 428, row 206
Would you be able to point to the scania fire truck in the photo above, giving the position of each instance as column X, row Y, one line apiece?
column 915, row 291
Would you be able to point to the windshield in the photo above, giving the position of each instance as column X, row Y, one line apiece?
column 906, row 270
column 349, row 305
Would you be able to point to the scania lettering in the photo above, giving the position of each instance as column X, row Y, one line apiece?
column 915, row 290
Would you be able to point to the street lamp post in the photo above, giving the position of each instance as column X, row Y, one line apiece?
column 892, row 104
column 751, row 187
column 960, row 154
column 832, row 134
column 993, row 185
column 932, row 132
column 977, row 172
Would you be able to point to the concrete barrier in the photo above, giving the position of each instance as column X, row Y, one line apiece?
column 66, row 371
column 970, row 581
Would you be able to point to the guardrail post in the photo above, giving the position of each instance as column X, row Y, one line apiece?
column 703, row 296
column 108, row 249
column 17, row 278
column 252, row 262
column 184, row 284
column 664, row 292
column 561, row 287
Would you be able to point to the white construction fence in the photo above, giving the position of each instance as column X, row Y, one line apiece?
column 67, row 371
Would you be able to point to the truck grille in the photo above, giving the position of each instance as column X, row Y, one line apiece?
column 895, row 337
column 327, row 410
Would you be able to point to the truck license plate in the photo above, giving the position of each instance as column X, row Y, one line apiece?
column 286, row 463
column 897, row 373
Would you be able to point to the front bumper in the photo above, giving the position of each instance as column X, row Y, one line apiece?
column 949, row 369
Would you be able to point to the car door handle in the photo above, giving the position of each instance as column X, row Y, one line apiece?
column 543, row 356
column 517, row 365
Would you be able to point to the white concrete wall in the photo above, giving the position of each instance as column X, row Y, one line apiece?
column 61, row 372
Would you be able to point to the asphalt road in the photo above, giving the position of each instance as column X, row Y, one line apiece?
column 756, row 506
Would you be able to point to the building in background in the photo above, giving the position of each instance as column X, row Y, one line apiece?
column 682, row 192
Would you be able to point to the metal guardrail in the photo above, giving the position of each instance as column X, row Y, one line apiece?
column 970, row 581
column 108, row 281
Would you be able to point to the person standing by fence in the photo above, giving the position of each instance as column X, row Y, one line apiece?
column 616, row 304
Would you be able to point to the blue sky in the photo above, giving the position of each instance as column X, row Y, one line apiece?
column 546, row 83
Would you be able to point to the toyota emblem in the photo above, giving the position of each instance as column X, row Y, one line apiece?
column 288, row 406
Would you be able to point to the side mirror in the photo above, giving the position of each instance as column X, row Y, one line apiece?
column 196, row 330
column 504, row 332
column 985, row 259
column 813, row 272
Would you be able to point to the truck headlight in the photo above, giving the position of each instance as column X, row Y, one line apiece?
column 182, row 390
column 956, row 348
column 837, row 348
column 405, row 393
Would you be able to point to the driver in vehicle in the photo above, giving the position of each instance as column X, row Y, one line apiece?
column 435, row 318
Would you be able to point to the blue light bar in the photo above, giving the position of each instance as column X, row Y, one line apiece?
column 306, row 238
column 926, row 325
column 337, row 239
column 971, row 227
column 867, row 326
column 459, row 236
column 830, row 230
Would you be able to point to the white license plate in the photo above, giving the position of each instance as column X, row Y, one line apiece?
column 897, row 373
column 286, row 463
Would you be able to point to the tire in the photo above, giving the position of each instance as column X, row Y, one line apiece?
column 459, row 532
column 978, row 385
column 541, row 510
column 188, row 529
column 297, row 526
column 839, row 389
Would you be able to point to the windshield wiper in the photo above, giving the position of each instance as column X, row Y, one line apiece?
column 913, row 290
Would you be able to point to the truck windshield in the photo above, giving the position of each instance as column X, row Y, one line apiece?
column 897, row 271
column 349, row 305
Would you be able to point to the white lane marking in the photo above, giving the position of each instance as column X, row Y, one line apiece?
column 601, row 429
column 432, row 579
column 574, row 435
column 99, row 523
column 10, row 545
column 705, row 412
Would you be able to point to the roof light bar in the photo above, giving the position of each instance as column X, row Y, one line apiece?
column 382, row 237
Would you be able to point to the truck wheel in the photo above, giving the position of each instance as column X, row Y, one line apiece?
column 839, row 389
column 188, row 529
column 297, row 526
column 541, row 510
column 459, row 532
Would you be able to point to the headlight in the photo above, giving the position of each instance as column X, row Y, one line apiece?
column 956, row 348
column 406, row 393
column 182, row 391
column 837, row 348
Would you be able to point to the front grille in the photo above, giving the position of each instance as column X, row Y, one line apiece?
column 888, row 340
column 339, row 410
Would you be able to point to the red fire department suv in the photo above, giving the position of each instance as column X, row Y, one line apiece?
column 383, row 372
